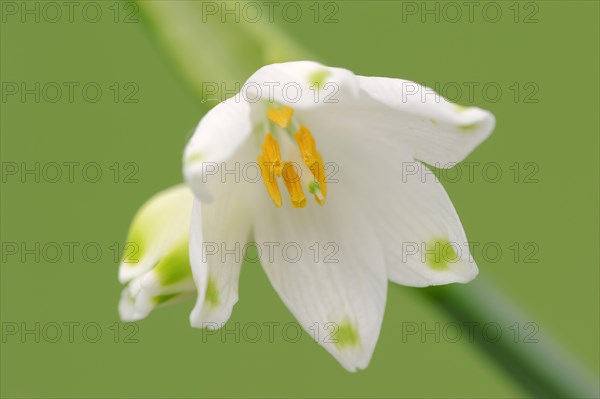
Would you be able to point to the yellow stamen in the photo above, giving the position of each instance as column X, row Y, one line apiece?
column 313, row 159
column 272, row 154
column 280, row 116
column 271, row 163
column 307, row 145
column 268, row 175
column 292, row 183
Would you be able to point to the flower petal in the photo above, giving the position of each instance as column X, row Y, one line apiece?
column 328, row 269
column 220, row 133
column 432, row 128
column 170, row 281
column 159, row 225
column 218, row 234
column 424, row 239
column 422, row 236
column 300, row 84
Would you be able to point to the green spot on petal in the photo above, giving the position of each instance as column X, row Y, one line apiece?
column 469, row 128
column 175, row 265
column 439, row 254
column 196, row 157
column 318, row 78
column 158, row 299
column 346, row 336
column 460, row 108
column 157, row 214
column 212, row 293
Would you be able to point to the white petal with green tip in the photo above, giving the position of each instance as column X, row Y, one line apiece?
column 218, row 235
column 432, row 128
column 160, row 230
column 421, row 234
column 161, row 223
column 341, row 291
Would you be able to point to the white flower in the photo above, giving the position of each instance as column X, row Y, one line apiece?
column 295, row 119
column 156, row 260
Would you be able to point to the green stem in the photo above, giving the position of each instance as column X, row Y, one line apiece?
column 539, row 365
column 215, row 58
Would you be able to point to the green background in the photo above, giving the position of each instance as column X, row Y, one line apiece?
column 559, row 133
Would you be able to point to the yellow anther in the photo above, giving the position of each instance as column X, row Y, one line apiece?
column 272, row 154
column 272, row 166
column 268, row 175
column 280, row 116
column 293, row 185
column 307, row 145
column 313, row 160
